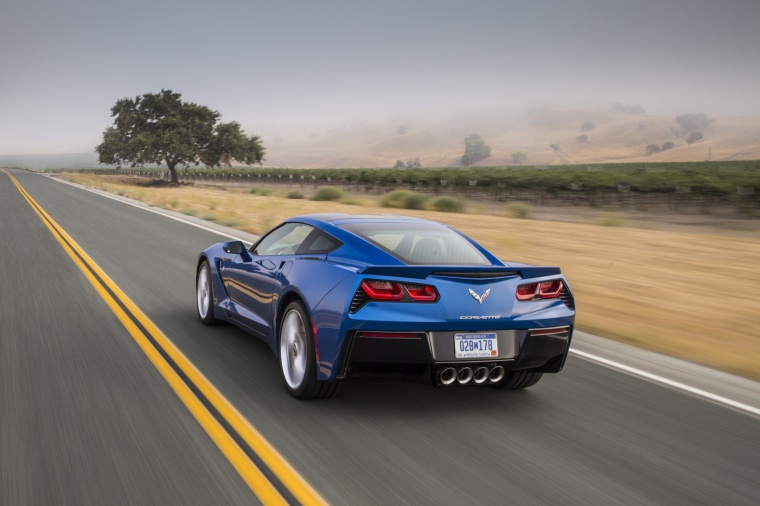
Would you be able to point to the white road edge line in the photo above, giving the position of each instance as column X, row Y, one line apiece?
column 665, row 381
column 145, row 208
column 588, row 356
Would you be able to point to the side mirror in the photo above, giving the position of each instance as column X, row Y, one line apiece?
column 237, row 248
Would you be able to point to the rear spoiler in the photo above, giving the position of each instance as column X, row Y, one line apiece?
column 456, row 271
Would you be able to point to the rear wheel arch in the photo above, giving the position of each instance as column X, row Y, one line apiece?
column 299, row 369
column 283, row 303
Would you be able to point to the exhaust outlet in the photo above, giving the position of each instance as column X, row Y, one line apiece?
column 496, row 374
column 447, row 375
column 464, row 375
column 480, row 375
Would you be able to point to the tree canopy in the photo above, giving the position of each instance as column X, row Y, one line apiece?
column 519, row 157
column 653, row 148
column 694, row 137
column 475, row 149
column 157, row 128
column 693, row 122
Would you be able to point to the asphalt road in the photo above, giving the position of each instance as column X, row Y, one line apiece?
column 86, row 419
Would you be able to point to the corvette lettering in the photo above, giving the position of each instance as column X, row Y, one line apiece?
column 489, row 317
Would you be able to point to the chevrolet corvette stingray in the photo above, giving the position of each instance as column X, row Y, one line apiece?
column 337, row 296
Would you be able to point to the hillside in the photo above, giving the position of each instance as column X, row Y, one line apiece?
column 438, row 141
column 51, row 161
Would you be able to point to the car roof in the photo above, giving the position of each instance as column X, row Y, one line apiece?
column 344, row 218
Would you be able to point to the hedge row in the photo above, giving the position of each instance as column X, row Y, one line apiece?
column 702, row 178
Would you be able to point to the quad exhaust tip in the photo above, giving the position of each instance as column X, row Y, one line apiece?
column 480, row 375
column 496, row 374
column 463, row 375
column 447, row 375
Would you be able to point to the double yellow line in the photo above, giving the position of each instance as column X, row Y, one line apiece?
column 265, row 471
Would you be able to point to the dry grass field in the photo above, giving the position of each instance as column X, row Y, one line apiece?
column 693, row 295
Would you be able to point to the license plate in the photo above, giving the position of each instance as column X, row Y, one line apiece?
column 476, row 345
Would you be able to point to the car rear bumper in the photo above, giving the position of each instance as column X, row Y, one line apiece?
column 429, row 354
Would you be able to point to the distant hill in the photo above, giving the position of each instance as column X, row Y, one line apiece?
column 60, row 161
column 546, row 134
column 439, row 142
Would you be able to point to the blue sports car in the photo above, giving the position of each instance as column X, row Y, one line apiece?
column 338, row 296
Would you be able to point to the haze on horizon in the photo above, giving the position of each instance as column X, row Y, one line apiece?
column 265, row 64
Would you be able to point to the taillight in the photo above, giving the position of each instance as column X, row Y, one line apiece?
column 544, row 290
column 393, row 290
column 383, row 290
column 526, row 292
column 422, row 293
column 550, row 289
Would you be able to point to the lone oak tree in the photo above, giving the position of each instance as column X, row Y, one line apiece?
column 160, row 128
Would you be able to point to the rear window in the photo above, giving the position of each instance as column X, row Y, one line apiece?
column 420, row 243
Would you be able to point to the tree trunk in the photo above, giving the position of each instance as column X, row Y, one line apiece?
column 173, row 171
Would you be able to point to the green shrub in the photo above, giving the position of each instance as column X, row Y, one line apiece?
column 230, row 221
column 295, row 195
column 189, row 212
column 517, row 210
column 446, row 205
column 404, row 199
column 173, row 203
column 351, row 200
column 264, row 192
column 610, row 220
column 328, row 193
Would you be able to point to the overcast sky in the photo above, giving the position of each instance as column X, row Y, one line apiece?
column 64, row 63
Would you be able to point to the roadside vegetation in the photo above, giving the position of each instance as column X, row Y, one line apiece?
column 404, row 199
column 692, row 295
column 328, row 193
column 446, row 205
column 517, row 210
column 716, row 180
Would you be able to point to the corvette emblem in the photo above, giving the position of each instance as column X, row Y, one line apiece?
column 479, row 298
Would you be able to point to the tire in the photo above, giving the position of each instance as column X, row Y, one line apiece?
column 516, row 380
column 298, row 362
column 204, row 295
